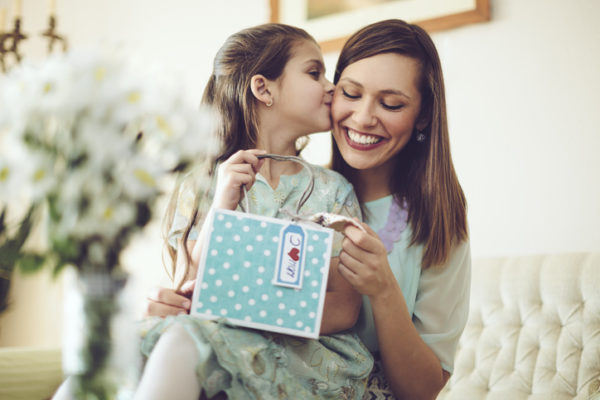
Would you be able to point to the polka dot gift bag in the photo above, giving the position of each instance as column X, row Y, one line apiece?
column 263, row 272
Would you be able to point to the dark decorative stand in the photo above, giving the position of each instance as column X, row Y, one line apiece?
column 10, row 41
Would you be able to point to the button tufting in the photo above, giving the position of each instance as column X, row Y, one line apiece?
column 545, row 330
column 594, row 387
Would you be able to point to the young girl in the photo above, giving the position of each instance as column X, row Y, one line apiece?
column 268, row 85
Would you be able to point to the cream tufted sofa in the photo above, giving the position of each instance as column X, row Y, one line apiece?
column 533, row 330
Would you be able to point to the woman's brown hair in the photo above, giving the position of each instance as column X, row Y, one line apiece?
column 426, row 178
column 263, row 49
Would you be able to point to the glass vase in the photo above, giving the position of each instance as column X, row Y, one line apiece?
column 100, row 349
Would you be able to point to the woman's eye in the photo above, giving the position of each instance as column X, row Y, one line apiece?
column 315, row 74
column 349, row 95
column 392, row 107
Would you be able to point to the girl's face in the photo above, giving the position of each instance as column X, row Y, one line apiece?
column 375, row 107
column 304, row 94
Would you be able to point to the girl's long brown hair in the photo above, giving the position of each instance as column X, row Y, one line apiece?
column 263, row 49
column 425, row 174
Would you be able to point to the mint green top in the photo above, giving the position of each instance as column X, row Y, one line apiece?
column 331, row 193
column 437, row 298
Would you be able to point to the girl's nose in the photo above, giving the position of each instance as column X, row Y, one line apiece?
column 329, row 87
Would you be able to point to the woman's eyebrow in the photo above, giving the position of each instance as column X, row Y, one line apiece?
column 385, row 91
column 396, row 92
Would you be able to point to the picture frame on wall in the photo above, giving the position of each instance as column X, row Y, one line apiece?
column 331, row 22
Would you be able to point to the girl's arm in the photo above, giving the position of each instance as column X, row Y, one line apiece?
column 162, row 301
column 239, row 169
column 411, row 367
column 342, row 302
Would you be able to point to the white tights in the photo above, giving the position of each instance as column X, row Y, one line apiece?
column 170, row 371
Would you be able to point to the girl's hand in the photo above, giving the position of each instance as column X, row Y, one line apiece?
column 239, row 169
column 364, row 263
column 164, row 301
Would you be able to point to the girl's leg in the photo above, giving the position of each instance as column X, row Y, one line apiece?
column 63, row 392
column 170, row 371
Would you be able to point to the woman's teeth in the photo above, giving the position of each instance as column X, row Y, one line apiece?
column 363, row 139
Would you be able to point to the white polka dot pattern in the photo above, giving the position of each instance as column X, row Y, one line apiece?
column 239, row 265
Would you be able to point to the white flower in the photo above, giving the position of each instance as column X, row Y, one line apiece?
column 139, row 178
column 13, row 170
column 93, row 135
column 105, row 217
column 103, row 144
column 41, row 177
column 200, row 137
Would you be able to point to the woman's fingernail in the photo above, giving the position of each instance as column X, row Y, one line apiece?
column 186, row 304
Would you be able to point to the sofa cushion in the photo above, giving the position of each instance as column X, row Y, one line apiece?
column 29, row 373
column 533, row 330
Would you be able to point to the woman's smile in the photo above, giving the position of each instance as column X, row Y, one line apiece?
column 362, row 141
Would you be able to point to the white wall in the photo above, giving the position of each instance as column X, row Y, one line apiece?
column 525, row 124
column 522, row 99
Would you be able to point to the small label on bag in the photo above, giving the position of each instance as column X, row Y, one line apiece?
column 290, row 257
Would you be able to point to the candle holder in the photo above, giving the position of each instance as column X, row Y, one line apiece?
column 53, row 36
column 9, row 43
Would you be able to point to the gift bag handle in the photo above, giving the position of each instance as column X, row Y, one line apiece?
column 305, row 195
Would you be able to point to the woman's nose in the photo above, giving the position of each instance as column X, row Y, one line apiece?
column 363, row 114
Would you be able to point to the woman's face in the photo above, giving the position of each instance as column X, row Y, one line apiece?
column 375, row 107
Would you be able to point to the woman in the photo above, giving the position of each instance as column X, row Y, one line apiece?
column 413, row 263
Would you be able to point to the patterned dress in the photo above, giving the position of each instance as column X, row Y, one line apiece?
column 252, row 364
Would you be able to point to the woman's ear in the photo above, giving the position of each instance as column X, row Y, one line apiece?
column 260, row 89
column 422, row 124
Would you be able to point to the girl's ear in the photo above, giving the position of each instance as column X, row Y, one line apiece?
column 260, row 89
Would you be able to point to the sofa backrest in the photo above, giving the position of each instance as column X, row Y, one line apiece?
column 533, row 330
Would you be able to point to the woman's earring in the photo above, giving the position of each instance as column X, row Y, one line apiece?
column 269, row 103
column 420, row 136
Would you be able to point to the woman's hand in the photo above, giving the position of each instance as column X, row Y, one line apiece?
column 364, row 263
column 164, row 301
column 239, row 169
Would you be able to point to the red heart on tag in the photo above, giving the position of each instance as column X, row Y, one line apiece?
column 294, row 254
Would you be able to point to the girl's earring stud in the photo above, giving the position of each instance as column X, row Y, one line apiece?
column 420, row 137
column 269, row 103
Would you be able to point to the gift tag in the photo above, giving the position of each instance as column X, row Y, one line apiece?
column 290, row 259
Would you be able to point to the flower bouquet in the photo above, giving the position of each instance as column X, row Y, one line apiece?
column 85, row 141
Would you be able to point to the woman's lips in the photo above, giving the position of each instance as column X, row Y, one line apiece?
column 361, row 141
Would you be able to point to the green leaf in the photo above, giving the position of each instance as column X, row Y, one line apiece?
column 144, row 213
column 2, row 218
column 30, row 263
column 9, row 254
column 4, row 289
column 58, row 267
column 66, row 248
column 25, row 227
